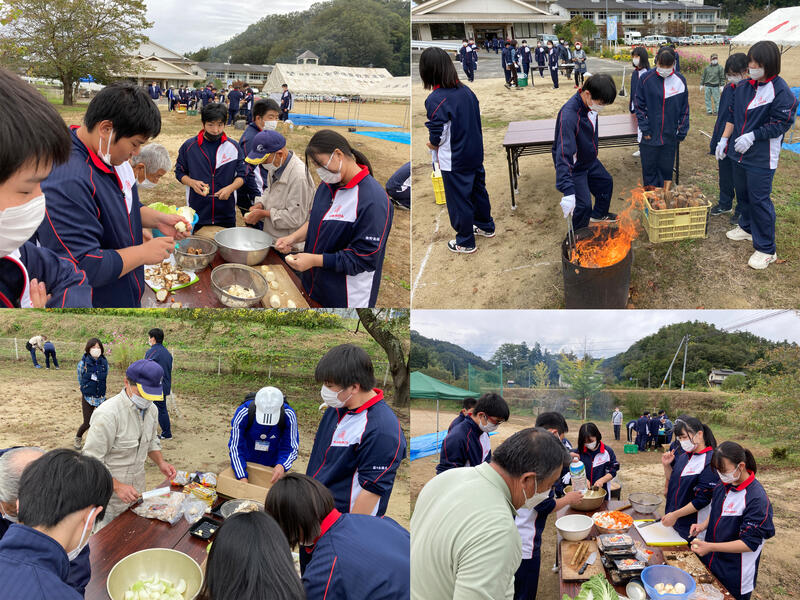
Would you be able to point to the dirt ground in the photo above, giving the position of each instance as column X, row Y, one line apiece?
column 386, row 157
column 521, row 266
column 644, row 473
column 42, row 408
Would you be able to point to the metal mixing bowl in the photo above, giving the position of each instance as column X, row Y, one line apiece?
column 224, row 276
column 591, row 501
column 167, row 564
column 195, row 262
column 229, row 508
column 243, row 245
column 644, row 503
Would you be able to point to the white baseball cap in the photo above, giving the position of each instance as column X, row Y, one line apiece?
column 269, row 401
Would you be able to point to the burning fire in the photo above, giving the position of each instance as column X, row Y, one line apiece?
column 609, row 244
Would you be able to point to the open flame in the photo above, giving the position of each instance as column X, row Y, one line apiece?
column 609, row 244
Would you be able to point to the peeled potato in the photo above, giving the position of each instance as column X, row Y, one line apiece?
column 290, row 304
column 679, row 588
column 274, row 301
column 273, row 284
column 270, row 276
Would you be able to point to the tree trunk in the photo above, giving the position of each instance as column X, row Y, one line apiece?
column 66, row 82
column 394, row 351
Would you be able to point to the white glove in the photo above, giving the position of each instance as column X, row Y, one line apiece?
column 567, row 205
column 743, row 142
column 702, row 87
column 722, row 146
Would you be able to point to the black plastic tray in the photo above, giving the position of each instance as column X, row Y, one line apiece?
column 203, row 528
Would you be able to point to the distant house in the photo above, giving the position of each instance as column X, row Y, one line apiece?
column 227, row 73
column 717, row 376
column 308, row 57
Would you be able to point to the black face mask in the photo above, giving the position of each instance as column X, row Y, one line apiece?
column 212, row 137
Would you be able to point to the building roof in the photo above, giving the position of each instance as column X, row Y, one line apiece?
column 617, row 5
column 725, row 372
column 308, row 54
column 235, row 67
column 488, row 18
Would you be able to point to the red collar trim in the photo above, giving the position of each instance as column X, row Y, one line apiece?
column 200, row 138
column 600, row 449
column 746, row 482
column 95, row 159
column 755, row 83
column 436, row 87
column 326, row 524
column 371, row 402
column 703, row 451
column 357, row 179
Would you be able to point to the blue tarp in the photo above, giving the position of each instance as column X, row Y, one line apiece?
column 792, row 147
column 796, row 146
column 322, row 121
column 428, row 444
column 401, row 137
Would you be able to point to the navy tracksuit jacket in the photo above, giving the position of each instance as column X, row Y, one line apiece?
column 206, row 96
column 91, row 213
column 692, row 480
column 217, row 164
column 267, row 445
column 564, row 480
column 768, row 111
column 725, row 166
column 578, row 170
column 154, row 91
column 637, row 73
column 398, row 186
column 599, row 462
column 34, row 566
column 348, row 225
column 525, row 56
column 454, row 125
column 467, row 61
column 234, row 98
column 252, row 187
column 540, row 54
column 642, row 428
column 161, row 355
column 744, row 513
column 662, row 110
column 655, row 425
column 358, row 449
column 461, row 417
column 66, row 283
column 552, row 62
column 359, row 557
column 530, row 524
column 466, row 445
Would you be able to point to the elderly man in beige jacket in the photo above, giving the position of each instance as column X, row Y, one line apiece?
column 288, row 188
column 123, row 434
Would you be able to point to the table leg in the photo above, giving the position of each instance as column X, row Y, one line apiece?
column 511, row 177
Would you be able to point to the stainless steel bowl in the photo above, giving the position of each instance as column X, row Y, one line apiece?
column 231, row 506
column 591, row 501
column 224, row 276
column 167, row 564
column 243, row 245
column 195, row 262
column 645, row 503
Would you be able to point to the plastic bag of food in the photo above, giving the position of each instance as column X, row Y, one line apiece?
column 201, row 492
column 208, row 479
column 181, row 478
column 164, row 508
column 193, row 509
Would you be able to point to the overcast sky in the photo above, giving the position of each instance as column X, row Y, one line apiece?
column 187, row 26
column 605, row 333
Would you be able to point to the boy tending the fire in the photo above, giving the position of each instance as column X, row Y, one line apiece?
column 579, row 173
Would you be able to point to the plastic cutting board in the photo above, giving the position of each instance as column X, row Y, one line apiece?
column 658, row 535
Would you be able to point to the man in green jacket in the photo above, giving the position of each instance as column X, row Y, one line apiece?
column 712, row 81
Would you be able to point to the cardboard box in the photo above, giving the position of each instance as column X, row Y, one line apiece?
column 258, row 483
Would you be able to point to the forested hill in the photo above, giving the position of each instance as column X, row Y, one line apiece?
column 348, row 33
column 427, row 352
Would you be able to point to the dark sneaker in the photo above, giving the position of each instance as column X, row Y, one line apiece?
column 718, row 210
column 460, row 249
column 608, row 218
column 478, row 231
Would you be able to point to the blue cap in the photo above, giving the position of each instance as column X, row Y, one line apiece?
column 264, row 144
column 147, row 375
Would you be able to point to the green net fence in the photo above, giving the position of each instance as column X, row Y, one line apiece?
column 481, row 382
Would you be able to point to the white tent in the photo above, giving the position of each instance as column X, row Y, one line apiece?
column 394, row 88
column 781, row 26
column 325, row 79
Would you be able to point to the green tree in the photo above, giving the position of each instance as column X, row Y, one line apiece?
column 734, row 383
column 70, row 39
column 513, row 357
column 583, row 378
column 586, row 29
column 736, row 25
column 541, row 375
column 418, row 357
column 390, row 334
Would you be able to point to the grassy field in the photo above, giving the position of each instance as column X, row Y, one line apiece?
column 386, row 158
column 206, row 400
column 521, row 266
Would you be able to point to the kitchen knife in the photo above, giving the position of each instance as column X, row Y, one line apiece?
column 589, row 561
column 650, row 523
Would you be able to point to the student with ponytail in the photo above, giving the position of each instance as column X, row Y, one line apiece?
column 691, row 479
column 345, row 235
column 738, row 523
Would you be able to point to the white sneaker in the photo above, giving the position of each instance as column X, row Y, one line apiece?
column 636, row 154
column 760, row 260
column 739, row 235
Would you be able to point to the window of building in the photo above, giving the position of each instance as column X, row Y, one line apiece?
column 447, row 31
column 601, row 15
column 633, row 15
column 588, row 14
column 574, row 13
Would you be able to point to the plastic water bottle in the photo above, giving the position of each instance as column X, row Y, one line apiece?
column 578, row 474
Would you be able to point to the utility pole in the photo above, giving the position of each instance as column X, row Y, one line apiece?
column 669, row 371
column 685, row 353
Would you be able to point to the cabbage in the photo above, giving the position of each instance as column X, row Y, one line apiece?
column 163, row 208
column 596, row 588
column 155, row 588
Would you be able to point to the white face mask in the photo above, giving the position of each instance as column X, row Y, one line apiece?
column 270, row 124
column 714, row 61
column 636, row 60
column 271, row 167
column 105, row 156
column 592, row 446
column 95, row 352
column 329, row 176
column 146, row 184
column 141, row 403
column 578, row 47
column 8, row 517
column 489, row 427
column 729, row 477
column 331, row 397
column 756, row 73
column 687, row 445
column 598, row 108
column 73, row 554
column 19, row 223
column 536, row 499
column 734, row 79
column 664, row 72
